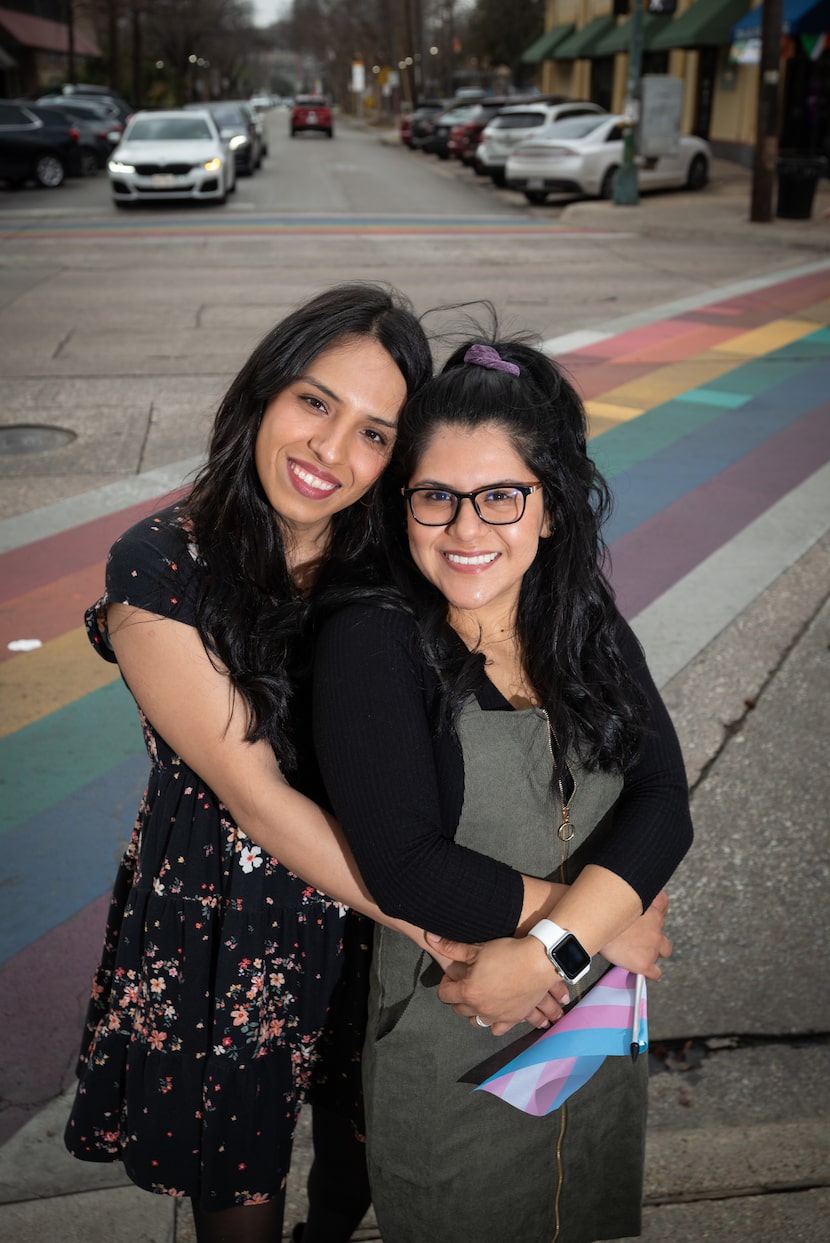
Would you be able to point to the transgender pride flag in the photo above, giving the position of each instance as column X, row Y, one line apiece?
column 559, row 1061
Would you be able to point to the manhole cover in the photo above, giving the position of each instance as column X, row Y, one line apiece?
column 33, row 438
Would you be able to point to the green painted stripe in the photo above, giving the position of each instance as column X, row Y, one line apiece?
column 52, row 758
column 716, row 397
column 628, row 444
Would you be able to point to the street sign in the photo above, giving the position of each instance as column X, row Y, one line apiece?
column 661, row 107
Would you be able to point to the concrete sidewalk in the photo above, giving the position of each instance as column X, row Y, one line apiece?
column 739, row 1138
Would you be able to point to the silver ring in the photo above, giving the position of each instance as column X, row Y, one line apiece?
column 481, row 1022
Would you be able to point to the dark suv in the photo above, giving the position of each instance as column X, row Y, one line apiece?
column 311, row 112
column 42, row 148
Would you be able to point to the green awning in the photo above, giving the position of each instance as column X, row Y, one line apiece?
column 542, row 48
column 580, row 45
column 619, row 39
column 708, row 23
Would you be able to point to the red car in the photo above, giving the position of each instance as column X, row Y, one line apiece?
column 311, row 112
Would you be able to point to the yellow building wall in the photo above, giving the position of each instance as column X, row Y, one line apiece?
column 734, row 99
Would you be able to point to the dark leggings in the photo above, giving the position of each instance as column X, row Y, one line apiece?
column 249, row 1223
column 338, row 1182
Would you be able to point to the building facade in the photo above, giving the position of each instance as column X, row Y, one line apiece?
column 713, row 46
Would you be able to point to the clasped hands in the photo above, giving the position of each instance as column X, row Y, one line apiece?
column 511, row 980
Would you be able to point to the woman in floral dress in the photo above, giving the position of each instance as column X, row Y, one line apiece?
column 219, row 961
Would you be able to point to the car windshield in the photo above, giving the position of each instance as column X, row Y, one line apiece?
column 518, row 120
column 572, row 127
column 169, row 129
column 310, row 101
column 229, row 116
column 457, row 115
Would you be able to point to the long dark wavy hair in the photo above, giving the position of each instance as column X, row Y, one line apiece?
column 246, row 615
column 567, row 622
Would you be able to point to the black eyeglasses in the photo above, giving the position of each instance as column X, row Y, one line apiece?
column 499, row 504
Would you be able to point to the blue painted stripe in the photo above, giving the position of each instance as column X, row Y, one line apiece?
column 671, row 473
column 57, row 862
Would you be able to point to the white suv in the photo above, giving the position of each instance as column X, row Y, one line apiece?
column 517, row 122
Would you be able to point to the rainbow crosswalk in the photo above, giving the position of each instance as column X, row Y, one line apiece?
column 707, row 422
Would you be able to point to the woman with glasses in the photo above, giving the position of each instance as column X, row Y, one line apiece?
column 506, row 773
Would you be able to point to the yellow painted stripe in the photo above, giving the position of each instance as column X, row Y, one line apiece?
column 666, row 383
column 37, row 683
column 609, row 414
column 764, row 340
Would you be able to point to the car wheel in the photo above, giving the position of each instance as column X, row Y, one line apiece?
column 498, row 178
column 89, row 163
column 49, row 171
column 606, row 190
column 330, row 133
column 293, row 132
column 698, row 173
column 536, row 197
column 121, row 205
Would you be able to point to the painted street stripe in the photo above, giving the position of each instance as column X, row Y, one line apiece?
column 54, row 864
column 49, row 760
column 49, row 611
column 54, row 676
column 694, row 610
column 649, row 558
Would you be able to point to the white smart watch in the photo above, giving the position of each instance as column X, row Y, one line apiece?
column 570, row 959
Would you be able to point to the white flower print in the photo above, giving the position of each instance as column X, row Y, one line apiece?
column 250, row 857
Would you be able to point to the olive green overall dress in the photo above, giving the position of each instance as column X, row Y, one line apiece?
column 451, row 1165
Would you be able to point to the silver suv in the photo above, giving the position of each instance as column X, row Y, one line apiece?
column 517, row 122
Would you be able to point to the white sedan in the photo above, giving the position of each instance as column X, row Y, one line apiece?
column 582, row 155
column 171, row 155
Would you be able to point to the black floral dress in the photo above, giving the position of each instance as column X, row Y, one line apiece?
column 218, row 962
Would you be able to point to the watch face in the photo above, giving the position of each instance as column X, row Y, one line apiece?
column 569, row 956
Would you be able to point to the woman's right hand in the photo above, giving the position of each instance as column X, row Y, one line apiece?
column 643, row 942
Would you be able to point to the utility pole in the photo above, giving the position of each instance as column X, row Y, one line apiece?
column 626, row 189
column 766, row 126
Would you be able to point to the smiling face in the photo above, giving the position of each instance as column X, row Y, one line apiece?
column 324, row 440
column 478, row 567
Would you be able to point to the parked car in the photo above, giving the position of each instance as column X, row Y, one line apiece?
column 171, row 155
column 98, row 111
column 257, row 116
column 311, row 112
column 104, row 94
column 582, row 155
column 93, row 137
column 238, row 129
column 466, row 135
column 517, row 122
column 43, row 148
column 437, row 129
column 412, row 123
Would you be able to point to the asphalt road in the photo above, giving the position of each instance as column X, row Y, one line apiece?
column 123, row 329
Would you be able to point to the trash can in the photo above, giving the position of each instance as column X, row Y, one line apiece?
column 797, row 180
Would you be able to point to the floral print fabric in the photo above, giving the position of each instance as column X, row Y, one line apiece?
column 218, row 963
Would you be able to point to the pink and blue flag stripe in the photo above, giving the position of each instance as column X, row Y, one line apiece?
column 560, row 1061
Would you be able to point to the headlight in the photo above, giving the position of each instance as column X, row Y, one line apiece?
column 118, row 166
column 213, row 165
column 238, row 140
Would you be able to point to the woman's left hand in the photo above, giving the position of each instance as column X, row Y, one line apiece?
column 503, row 982
column 643, row 942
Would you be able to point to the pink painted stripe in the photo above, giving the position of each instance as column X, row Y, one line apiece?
column 635, row 339
column 585, row 1018
column 654, row 556
column 36, row 564
column 39, row 1056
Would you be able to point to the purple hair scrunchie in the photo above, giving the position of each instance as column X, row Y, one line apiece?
column 486, row 356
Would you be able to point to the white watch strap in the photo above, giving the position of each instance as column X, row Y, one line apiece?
column 548, row 933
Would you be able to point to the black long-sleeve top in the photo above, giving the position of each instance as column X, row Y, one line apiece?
column 398, row 788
